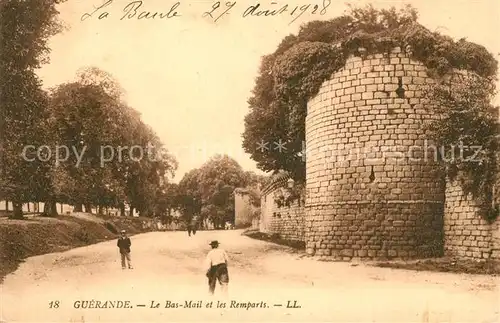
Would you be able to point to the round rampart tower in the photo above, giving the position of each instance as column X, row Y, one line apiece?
column 373, row 184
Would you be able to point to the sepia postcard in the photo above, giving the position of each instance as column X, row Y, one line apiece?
column 249, row 161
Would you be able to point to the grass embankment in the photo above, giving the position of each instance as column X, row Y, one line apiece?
column 274, row 238
column 20, row 239
column 450, row 265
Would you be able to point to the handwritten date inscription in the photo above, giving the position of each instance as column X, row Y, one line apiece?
column 137, row 10
column 273, row 9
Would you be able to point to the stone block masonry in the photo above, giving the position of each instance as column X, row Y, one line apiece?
column 287, row 221
column 466, row 234
column 375, row 231
column 374, row 189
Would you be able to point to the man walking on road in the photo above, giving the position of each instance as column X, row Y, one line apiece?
column 124, row 245
column 216, row 265
column 192, row 225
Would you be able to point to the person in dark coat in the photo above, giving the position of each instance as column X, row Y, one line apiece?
column 192, row 226
column 216, row 265
column 124, row 244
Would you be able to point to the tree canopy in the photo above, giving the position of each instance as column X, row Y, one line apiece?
column 88, row 117
column 208, row 191
column 469, row 129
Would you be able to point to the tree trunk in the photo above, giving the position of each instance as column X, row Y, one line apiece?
column 78, row 208
column 100, row 210
column 53, row 208
column 46, row 208
column 50, row 208
column 17, row 210
column 29, row 207
column 131, row 211
column 7, row 205
column 122, row 209
column 88, row 208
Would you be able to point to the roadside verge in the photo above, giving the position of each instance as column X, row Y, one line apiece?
column 36, row 235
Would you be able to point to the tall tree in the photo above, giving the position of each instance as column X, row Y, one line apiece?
column 114, row 157
column 167, row 201
column 146, row 170
column 209, row 190
column 120, row 159
column 84, row 119
column 190, row 198
column 25, row 27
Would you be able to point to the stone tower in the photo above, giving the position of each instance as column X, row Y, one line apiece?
column 373, row 184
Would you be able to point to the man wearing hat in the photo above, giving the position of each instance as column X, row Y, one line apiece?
column 216, row 264
column 193, row 223
column 124, row 245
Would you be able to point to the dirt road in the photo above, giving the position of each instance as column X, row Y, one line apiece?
column 168, row 268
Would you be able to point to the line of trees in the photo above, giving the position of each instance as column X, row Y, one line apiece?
column 88, row 121
column 208, row 191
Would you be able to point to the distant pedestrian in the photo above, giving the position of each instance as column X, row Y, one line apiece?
column 192, row 226
column 124, row 244
column 216, row 265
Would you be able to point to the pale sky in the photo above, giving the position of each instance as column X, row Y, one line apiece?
column 190, row 78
